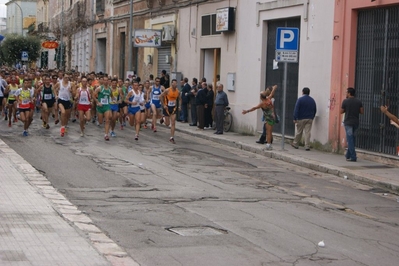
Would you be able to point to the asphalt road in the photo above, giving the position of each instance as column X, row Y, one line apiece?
column 201, row 203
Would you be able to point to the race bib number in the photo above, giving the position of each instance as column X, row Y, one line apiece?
column 172, row 103
column 12, row 93
column 155, row 97
column 104, row 101
column 25, row 101
column 48, row 96
column 84, row 100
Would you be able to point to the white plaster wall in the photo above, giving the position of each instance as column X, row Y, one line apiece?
column 244, row 52
column 189, row 46
column 80, row 50
column 314, row 66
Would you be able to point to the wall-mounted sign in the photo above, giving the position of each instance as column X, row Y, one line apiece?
column 147, row 38
column 50, row 44
column 225, row 19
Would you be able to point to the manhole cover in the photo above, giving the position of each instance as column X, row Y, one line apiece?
column 197, row 231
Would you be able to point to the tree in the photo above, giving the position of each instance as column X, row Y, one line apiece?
column 12, row 46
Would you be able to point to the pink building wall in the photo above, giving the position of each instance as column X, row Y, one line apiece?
column 344, row 60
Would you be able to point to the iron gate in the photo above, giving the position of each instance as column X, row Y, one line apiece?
column 276, row 76
column 377, row 77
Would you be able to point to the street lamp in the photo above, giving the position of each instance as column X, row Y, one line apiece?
column 130, row 38
column 22, row 18
column 62, row 35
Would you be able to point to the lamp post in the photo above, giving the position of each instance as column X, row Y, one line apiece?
column 62, row 36
column 130, row 38
column 22, row 18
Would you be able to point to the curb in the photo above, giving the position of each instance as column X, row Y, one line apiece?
column 69, row 212
column 311, row 164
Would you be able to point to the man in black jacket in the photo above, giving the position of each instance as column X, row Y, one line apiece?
column 193, row 108
column 185, row 99
column 208, row 107
column 200, row 101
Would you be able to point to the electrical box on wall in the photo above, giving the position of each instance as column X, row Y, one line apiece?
column 168, row 33
column 231, row 80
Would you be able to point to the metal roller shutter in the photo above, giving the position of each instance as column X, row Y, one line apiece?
column 162, row 53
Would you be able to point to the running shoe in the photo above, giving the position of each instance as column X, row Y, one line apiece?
column 56, row 121
column 106, row 138
column 145, row 126
column 62, row 131
column 172, row 140
column 97, row 123
column 47, row 126
column 94, row 120
column 44, row 124
column 15, row 120
column 25, row 133
column 9, row 124
column 137, row 137
column 113, row 134
column 6, row 118
column 82, row 134
column 121, row 127
column 154, row 129
column 161, row 121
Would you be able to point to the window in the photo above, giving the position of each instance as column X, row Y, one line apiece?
column 100, row 7
column 208, row 25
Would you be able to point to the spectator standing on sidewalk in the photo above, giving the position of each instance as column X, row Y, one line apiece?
column 208, row 107
column 304, row 113
column 352, row 107
column 193, row 107
column 221, row 102
column 394, row 119
column 185, row 99
column 200, row 101
column 269, row 117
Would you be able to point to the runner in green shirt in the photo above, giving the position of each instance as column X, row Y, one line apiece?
column 102, row 96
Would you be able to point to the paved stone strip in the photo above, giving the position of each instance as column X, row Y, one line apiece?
column 355, row 175
column 39, row 226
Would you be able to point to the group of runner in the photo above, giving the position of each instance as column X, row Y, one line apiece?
column 97, row 98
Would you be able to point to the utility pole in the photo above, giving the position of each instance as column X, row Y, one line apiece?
column 62, row 36
column 130, row 38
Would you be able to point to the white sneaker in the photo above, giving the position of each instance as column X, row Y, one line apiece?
column 269, row 147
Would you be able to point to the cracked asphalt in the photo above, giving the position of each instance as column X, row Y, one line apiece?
column 270, row 212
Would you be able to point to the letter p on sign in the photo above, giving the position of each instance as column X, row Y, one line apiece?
column 287, row 39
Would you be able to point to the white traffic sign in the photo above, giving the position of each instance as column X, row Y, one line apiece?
column 24, row 56
column 287, row 56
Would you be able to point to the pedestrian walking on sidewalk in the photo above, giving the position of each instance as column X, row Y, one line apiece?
column 221, row 102
column 304, row 113
column 352, row 107
column 269, row 116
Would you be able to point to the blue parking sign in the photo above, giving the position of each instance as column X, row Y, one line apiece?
column 287, row 39
column 24, row 56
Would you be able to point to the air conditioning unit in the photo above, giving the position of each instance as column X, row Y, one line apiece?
column 168, row 33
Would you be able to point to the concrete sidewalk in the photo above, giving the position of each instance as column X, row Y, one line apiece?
column 365, row 170
column 39, row 226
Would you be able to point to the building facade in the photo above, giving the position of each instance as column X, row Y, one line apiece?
column 336, row 50
column 20, row 15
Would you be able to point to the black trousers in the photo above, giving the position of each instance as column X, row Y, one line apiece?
column 200, row 116
column 219, row 117
column 193, row 110
column 208, row 117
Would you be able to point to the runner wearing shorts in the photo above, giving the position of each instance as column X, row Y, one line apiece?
column 116, row 97
column 135, row 99
column 83, row 97
column 47, row 100
column 169, row 98
column 156, row 106
column 102, row 96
